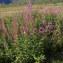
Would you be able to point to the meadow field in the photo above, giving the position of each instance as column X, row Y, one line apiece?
column 31, row 34
column 13, row 10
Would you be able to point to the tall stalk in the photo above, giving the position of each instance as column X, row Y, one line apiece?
column 15, row 30
column 27, row 15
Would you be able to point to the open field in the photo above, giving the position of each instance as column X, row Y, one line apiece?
column 10, row 11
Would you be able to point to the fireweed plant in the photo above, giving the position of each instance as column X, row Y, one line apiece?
column 39, row 40
column 32, row 37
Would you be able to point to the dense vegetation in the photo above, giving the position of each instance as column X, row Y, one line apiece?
column 31, row 38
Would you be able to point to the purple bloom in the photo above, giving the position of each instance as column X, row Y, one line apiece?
column 46, row 27
column 42, row 30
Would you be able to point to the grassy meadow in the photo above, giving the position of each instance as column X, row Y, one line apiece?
column 31, row 34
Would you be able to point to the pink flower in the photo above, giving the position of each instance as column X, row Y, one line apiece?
column 3, row 28
column 51, row 10
column 41, row 30
column 27, row 13
column 27, row 16
column 45, row 27
column 14, row 29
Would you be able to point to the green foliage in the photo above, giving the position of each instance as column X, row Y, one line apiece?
column 44, row 46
